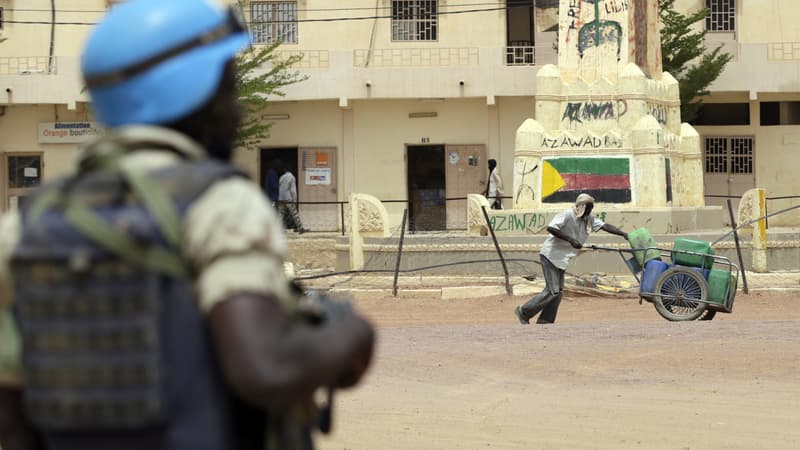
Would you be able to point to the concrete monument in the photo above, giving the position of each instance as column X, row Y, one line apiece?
column 607, row 122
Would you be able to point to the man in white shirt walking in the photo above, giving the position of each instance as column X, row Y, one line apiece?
column 287, row 200
column 494, row 186
column 568, row 231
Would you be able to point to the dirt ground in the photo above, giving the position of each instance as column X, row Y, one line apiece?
column 610, row 374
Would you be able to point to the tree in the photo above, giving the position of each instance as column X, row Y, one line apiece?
column 685, row 57
column 255, row 89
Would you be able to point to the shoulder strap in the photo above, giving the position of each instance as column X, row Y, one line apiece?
column 157, row 202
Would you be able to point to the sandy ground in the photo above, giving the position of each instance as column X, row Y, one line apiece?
column 611, row 374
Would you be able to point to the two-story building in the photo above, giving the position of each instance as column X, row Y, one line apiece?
column 407, row 99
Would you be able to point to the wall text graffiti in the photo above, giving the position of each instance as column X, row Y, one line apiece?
column 527, row 222
column 579, row 112
column 583, row 142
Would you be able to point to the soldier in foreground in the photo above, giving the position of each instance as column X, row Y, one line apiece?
column 148, row 288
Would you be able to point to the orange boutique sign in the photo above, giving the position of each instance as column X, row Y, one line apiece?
column 69, row 132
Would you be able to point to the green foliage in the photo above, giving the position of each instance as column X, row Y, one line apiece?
column 261, row 74
column 684, row 56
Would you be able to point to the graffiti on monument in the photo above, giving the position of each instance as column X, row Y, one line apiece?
column 580, row 112
column 598, row 33
column 616, row 6
column 582, row 142
column 524, row 186
column 658, row 111
column 574, row 15
column 528, row 222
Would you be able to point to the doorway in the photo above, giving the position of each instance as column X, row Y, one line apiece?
column 427, row 207
column 437, row 173
column 270, row 157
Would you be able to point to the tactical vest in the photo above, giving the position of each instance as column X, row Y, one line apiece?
column 116, row 353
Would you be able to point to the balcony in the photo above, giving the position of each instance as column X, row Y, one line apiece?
column 41, row 80
column 28, row 65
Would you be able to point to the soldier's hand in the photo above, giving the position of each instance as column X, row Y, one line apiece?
column 362, row 349
column 575, row 244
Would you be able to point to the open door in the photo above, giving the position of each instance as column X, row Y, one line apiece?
column 426, row 188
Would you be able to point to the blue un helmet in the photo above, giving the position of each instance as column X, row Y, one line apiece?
column 155, row 61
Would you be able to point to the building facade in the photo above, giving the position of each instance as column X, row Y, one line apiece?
column 407, row 99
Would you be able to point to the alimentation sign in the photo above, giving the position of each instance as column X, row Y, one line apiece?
column 69, row 132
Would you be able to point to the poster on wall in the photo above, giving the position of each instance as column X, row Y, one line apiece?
column 318, row 175
column 69, row 132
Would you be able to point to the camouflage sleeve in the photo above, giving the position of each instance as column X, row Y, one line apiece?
column 10, row 371
column 235, row 242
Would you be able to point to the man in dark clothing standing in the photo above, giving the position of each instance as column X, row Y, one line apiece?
column 271, row 185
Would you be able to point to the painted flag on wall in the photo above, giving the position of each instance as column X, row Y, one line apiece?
column 608, row 180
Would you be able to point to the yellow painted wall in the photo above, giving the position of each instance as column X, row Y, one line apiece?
column 767, row 21
column 18, row 133
column 759, row 21
column 34, row 39
column 486, row 29
column 310, row 124
column 512, row 111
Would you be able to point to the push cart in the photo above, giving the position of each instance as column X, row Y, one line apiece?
column 681, row 292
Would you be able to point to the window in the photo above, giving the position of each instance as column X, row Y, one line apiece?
column 414, row 20
column 274, row 21
column 721, row 15
column 23, row 175
column 729, row 155
column 780, row 113
column 721, row 114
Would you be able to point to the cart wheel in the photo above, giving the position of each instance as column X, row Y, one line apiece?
column 681, row 294
column 708, row 314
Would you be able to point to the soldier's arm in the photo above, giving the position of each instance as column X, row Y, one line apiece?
column 272, row 362
column 15, row 430
column 236, row 242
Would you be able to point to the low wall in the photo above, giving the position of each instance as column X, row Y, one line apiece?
column 420, row 250
column 657, row 220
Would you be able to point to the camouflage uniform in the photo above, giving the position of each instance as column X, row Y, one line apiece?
column 231, row 236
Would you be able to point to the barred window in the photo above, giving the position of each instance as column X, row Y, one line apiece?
column 716, row 155
column 729, row 154
column 742, row 155
column 721, row 15
column 273, row 21
column 414, row 20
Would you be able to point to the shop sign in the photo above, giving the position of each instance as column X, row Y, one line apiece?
column 69, row 132
column 318, row 175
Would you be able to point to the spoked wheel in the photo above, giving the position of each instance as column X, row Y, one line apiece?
column 681, row 294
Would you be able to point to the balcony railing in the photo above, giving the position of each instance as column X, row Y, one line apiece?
column 28, row 65
column 417, row 57
column 520, row 55
column 312, row 59
column 783, row 51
